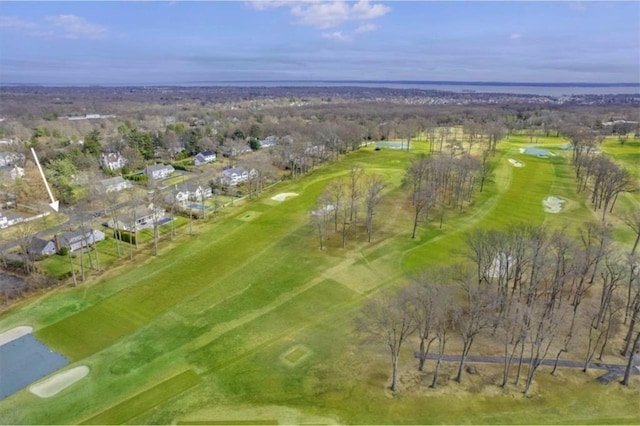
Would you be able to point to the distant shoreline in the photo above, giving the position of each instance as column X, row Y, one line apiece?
column 552, row 89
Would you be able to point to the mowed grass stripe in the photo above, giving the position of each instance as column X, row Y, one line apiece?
column 145, row 400
column 292, row 315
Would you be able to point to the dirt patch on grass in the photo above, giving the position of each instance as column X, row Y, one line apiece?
column 58, row 382
column 516, row 163
column 295, row 355
column 284, row 195
column 15, row 334
column 553, row 204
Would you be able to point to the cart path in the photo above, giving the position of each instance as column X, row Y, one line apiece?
column 612, row 369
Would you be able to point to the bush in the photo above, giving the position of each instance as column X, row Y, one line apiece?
column 63, row 251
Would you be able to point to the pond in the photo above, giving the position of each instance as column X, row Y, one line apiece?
column 538, row 152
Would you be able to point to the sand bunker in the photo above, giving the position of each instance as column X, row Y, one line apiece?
column 516, row 163
column 56, row 383
column 283, row 196
column 15, row 334
column 553, row 204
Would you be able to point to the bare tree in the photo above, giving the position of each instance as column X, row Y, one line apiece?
column 373, row 187
column 634, row 355
column 472, row 317
column 387, row 319
column 320, row 216
column 632, row 220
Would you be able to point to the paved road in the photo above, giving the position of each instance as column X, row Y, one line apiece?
column 612, row 369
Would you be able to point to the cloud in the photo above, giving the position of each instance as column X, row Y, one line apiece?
column 13, row 23
column 336, row 35
column 75, row 27
column 365, row 28
column 324, row 15
column 515, row 36
column 56, row 27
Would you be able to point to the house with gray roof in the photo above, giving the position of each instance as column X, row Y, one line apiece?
column 159, row 171
column 78, row 238
column 236, row 175
column 39, row 247
column 114, row 184
column 204, row 157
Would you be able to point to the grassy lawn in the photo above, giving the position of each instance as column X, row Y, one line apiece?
column 248, row 321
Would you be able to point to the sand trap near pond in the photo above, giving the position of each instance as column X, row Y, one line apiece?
column 516, row 163
column 553, row 204
column 283, row 196
column 58, row 382
column 14, row 334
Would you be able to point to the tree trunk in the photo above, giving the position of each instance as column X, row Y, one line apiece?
column 627, row 371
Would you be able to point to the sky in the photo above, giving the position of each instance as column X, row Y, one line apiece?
column 187, row 42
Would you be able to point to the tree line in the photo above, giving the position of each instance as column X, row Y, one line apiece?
column 534, row 293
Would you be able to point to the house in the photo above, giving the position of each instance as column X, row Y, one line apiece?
column 112, row 161
column 9, row 158
column 159, row 171
column 183, row 193
column 138, row 218
column 114, row 184
column 13, row 172
column 204, row 157
column 39, row 247
column 10, row 219
column 78, row 238
column 236, row 175
column 268, row 142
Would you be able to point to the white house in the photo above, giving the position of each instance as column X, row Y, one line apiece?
column 112, row 161
column 183, row 193
column 114, row 184
column 268, row 142
column 10, row 219
column 8, row 158
column 159, row 171
column 204, row 157
column 13, row 172
column 138, row 218
column 236, row 175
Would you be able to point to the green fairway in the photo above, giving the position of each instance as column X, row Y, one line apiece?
column 249, row 322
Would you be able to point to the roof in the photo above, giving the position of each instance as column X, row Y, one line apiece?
column 37, row 245
column 208, row 153
column 236, row 170
column 112, row 181
column 157, row 167
column 80, row 233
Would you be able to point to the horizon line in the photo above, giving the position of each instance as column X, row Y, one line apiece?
column 339, row 81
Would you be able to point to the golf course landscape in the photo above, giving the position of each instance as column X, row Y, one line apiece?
column 247, row 321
